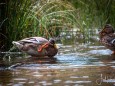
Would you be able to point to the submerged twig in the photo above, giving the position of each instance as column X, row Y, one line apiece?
column 15, row 65
column 9, row 52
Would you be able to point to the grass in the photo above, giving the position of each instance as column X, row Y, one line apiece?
column 93, row 15
column 48, row 18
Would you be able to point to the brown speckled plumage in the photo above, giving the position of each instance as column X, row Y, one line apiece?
column 107, row 37
column 37, row 46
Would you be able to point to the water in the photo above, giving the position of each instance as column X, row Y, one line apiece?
column 72, row 66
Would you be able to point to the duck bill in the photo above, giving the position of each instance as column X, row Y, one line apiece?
column 55, row 46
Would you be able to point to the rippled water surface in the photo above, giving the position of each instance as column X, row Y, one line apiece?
column 72, row 66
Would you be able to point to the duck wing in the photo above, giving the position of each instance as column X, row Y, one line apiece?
column 35, row 40
column 113, row 39
column 109, row 41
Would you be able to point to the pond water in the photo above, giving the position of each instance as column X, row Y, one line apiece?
column 72, row 66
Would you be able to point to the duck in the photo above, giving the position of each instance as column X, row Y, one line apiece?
column 107, row 37
column 37, row 46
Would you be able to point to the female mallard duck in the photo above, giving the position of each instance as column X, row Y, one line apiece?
column 107, row 37
column 37, row 46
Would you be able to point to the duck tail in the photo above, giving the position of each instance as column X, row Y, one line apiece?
column 17, row 44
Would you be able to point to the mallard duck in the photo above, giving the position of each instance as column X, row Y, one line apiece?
column 107, row 37
column 37, row 46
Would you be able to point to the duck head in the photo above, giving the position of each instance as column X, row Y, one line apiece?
column 52, row 42
column 108, row 29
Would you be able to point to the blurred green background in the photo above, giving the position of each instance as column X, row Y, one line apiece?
column 53, row 18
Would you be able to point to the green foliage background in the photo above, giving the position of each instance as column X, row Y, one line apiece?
column 47, row 18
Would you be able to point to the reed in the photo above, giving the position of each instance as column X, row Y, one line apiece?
column 18, row 20
column 48, row 18
column 36, row 18
column 54, row 15
column 93, row 15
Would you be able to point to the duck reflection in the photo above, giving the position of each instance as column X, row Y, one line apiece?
column 42, row 60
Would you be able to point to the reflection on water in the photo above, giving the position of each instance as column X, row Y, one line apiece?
column 89, row 66
column 101, row 52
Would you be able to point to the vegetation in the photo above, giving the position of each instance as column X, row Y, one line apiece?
column 47, row 18
column 93, row 15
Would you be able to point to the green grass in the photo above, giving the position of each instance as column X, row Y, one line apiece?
column 48, row 18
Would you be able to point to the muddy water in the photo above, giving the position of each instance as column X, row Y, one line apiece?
column 72, row 66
